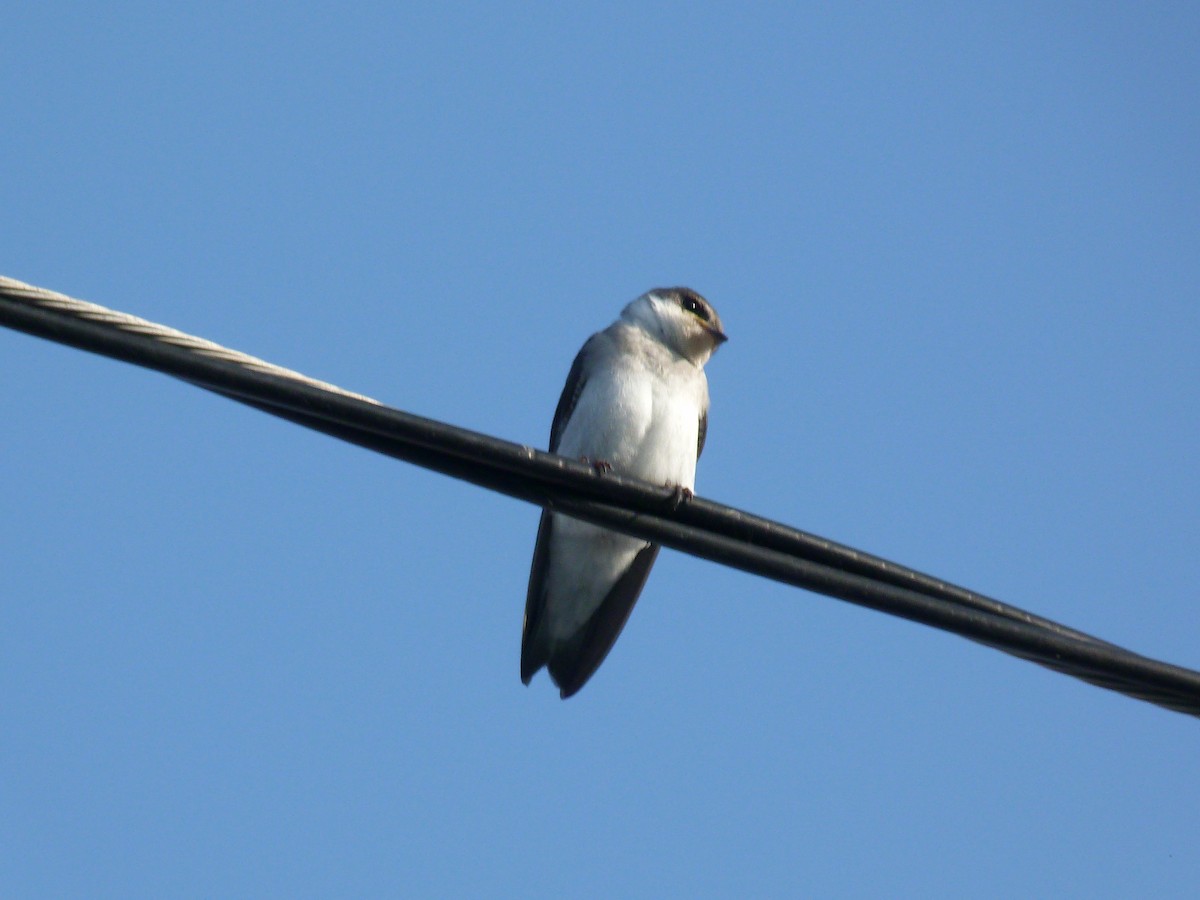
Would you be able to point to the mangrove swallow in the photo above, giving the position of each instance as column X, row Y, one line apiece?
column 635, row 403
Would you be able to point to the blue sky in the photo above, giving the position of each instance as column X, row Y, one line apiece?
column 957, row 251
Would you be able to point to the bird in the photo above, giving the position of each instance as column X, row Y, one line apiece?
column 635, row 403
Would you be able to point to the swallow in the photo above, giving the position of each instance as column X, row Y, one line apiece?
column 635, row 403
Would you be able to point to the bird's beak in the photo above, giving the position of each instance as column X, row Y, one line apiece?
column 719, row 337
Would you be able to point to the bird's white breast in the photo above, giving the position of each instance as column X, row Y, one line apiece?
column 639, row 412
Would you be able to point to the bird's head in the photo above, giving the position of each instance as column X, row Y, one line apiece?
column 679, row 317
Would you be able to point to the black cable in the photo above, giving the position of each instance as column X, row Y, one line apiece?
column 700, row 527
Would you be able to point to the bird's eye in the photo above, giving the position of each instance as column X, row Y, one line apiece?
column 692, row 305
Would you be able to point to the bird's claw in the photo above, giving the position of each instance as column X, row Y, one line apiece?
column 680, row 495
column 601, row 467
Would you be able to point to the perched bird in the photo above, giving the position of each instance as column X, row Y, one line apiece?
column 635, row 403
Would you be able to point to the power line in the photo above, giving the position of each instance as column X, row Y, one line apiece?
column 699, row 527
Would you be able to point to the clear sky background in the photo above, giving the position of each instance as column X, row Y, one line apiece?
column 957, row 251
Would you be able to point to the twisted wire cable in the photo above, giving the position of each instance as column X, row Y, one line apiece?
column 699, row 527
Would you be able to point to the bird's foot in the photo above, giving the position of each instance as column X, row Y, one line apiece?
column 680, row 495
column 601, row 467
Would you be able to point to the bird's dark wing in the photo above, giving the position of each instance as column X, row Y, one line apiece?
column 571, row 391
column 535, row 648
column 573, row 664
column 701, row 433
